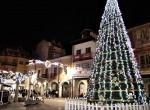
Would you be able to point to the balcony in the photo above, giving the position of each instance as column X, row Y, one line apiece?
column 9, row 63
column 53, row 75
column 84, row 56
column 77, row 57
column 44, row 76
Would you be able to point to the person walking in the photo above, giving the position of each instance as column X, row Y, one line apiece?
column 53, row 93
column 50, row 93
column 47, row 94
column 147, row 99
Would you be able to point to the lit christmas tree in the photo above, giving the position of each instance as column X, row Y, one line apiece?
column 115, row 76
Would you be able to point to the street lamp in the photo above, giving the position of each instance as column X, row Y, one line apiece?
column 30, row 73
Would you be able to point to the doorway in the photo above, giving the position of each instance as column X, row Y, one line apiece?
column 54, row 86
column 65, row 89
column 81, row 88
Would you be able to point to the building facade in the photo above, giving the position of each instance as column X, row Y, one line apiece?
column 83, row 52
column 14, row 60
column 52, row 74
column 69, row 74
column 140, row 38
column 49, row 50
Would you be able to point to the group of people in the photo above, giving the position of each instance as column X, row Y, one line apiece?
column 50, row 94
column 34, row 94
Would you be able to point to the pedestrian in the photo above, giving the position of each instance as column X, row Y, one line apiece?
column 23, row 93
column 49, row 93
column 147, row 99
column 56, row 93
column 53, row 93
column 43, row 98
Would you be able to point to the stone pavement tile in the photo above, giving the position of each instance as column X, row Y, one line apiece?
column 21, row 106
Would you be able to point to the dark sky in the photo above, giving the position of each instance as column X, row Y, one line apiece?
column 24, row 24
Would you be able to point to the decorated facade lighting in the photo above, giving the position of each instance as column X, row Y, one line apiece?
column 33, row 62
column 47, row 64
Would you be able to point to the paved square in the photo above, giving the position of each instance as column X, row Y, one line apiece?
column 49, row 104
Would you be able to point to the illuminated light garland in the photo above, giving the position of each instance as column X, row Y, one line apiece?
column 47, row 64
column 11, row 77
column 115, row 75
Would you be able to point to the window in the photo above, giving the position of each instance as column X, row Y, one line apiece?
column 39, row 74
column 25, row 71
column 88, row 50
column 13, row 70
column 77, row 65
column 55, row 71
column 26, row 63
column 46, row 73
column 78, row 52
column 144, row 61
column 14, row 60
column 6, row 69
column 21, row 62
column 86, row 65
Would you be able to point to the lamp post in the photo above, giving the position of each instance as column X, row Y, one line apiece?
column 58, row 78
column 1, row 81
column 30, row 73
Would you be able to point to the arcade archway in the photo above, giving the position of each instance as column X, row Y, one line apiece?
column 54, row 86
column 82, row 88
column 65, row 89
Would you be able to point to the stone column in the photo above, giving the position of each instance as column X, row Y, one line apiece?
column 42, row 89
column 60, row 91
column 16, row 91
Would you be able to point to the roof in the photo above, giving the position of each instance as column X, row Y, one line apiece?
column 82, row 40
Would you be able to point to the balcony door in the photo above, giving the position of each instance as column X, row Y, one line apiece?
column 46, row 73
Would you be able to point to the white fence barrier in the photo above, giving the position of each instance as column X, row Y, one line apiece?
column 81, row 104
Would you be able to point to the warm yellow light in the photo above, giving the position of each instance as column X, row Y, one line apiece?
column 39, row 83
column 44, row 83
column 70, row 72
column 33, row 78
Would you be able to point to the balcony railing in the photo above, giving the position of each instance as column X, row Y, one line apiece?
column 9, row 63
column 77, row 57
column 45, row 76
column 84, row 56
column 53, row 75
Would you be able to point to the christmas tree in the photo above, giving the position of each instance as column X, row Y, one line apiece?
column 115, row 76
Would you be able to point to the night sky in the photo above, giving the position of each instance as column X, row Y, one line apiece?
column 24, row 24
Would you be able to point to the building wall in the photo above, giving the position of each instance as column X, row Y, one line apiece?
column 15, row 63
column 83, row 47
column 140, row 37
column 61, row 77
column 49, row 50
column 42, row 50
